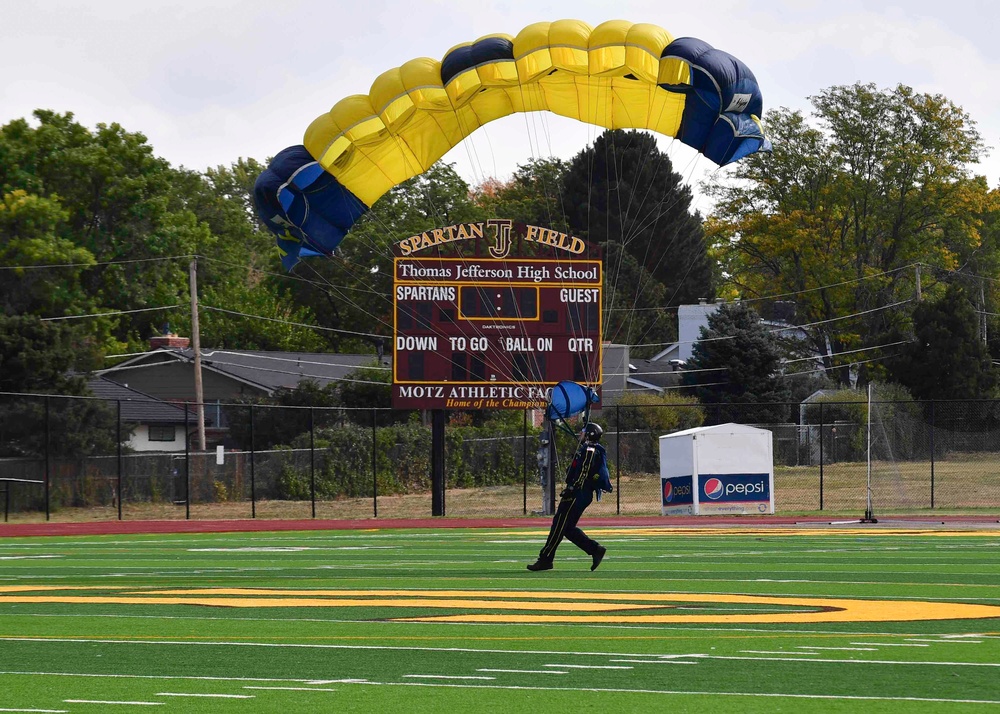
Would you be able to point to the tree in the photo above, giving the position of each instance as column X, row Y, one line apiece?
column 125, row 224
column 841, row 211
column 735, row 369
column 654, row 415
column 44, row 358
column 368, row 388
column 30, row 228
column 623, row 190
column 534, row 195
column 273, row 424
column 947, row 358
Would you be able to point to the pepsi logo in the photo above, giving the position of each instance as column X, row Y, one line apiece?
column 713, row 489
column 668, row 492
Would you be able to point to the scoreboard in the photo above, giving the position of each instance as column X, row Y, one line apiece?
column 486, row 333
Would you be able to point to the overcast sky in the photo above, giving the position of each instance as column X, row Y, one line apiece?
column 211, row 81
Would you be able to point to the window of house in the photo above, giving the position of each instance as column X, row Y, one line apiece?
column 162, row 432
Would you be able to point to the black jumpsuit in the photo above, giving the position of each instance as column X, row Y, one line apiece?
column 583, row 478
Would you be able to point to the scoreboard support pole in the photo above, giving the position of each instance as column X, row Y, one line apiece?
column 437, row 462
column 548, row 468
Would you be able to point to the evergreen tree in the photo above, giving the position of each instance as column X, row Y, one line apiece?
column 735, row 369
column 948, row 358
column 623, row 190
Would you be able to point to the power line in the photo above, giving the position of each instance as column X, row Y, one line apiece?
column 94, row 265
column 295, row 324
column 109, row 314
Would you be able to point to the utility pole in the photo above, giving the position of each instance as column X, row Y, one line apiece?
column 982, row 312
column 199, row 395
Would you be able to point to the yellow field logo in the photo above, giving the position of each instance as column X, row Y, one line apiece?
column 504, row 606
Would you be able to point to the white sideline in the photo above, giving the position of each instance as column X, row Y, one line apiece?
column 398, row 648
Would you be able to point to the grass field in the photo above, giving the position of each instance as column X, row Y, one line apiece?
column 768, row 619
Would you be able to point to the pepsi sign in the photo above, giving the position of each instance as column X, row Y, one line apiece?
column 678, row 491
column 735, row 488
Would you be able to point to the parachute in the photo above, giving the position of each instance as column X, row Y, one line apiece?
column 569, row 399
column 618, row 75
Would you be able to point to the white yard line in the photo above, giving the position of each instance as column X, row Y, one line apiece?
column 292, row 689
column 654, row 661
column 685, row 692
column 217, row 696
column 777, row 652
column 585, row 666
column 101, row 701
column 862, row 661
column 399, row 648
column 39, row 711
column 442, row 676
column 523, row 671
column 887, row 644
column 845, row 649
column 26, row 557
column 943, row 641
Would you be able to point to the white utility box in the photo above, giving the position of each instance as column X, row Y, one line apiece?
column 724, row 469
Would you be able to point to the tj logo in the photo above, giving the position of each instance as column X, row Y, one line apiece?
column 503, row 242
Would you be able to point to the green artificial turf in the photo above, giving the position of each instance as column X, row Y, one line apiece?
column 90, row 656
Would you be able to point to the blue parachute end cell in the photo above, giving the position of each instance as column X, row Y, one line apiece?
column 723, row 98
column 569, row 399
column 306, row 208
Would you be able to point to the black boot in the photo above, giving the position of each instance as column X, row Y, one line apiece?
column 540, row 565
column 598, row 557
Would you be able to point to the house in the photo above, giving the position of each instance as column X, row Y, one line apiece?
column 153, row 424
column 660, row 372
column 167, row 371
column 615, row 372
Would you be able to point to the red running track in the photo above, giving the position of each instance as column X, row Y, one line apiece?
column 250, row 526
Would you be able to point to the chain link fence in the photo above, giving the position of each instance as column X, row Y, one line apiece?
column 73, row 459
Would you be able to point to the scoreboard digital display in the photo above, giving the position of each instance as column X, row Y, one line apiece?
column 487, row 333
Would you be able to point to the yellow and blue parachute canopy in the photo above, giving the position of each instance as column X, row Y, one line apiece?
column 618, row 75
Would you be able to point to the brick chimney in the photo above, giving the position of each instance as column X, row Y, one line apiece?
column 169, row 342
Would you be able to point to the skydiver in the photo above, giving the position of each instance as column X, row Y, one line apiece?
column 587, row 474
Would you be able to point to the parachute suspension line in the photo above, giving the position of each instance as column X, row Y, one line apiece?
column 384, row 295
column 535, row 158
column 641, row 223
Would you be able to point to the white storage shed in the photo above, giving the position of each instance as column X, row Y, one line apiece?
column 722, row 469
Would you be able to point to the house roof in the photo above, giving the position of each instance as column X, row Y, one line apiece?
column 652, row 374
column 267, row 371
column 137, row 406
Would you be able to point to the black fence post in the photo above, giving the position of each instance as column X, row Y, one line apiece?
column 187, row 463
column 374, row 464
column 932, row 454
column 48, row 474
column 312, row 461
column 118, row 437
column 822, row 429
column 524, row 462
column 618, row 459
column 253, row 474
column 437, row 462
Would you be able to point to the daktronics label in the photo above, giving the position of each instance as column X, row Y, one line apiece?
column 678, row 491
column 735, row 487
